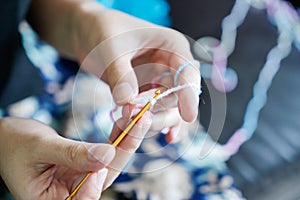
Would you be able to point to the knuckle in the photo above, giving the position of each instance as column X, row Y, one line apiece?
column 181, row 38
column 72, row 152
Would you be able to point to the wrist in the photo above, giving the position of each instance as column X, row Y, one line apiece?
column 84, row 19
column 55, row 22
column 3, row 141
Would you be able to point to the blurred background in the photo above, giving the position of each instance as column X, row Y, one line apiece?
column 268, row 165
column 265, row 167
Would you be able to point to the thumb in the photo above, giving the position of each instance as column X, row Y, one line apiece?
column 122, row 80
column 77, row 155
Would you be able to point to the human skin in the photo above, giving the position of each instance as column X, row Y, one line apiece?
column 75, row 28
column 34, row 160
column 36, row 163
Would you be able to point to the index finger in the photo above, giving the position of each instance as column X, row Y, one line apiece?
column 128, row 145
column 187, row 72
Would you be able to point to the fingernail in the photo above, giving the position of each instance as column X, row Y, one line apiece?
column 103, row 153
column 172, row 137
column 123, row 93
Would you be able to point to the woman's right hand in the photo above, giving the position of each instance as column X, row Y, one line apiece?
column 37, row 163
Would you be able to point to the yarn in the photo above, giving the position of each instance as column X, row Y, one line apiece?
column 286, row 19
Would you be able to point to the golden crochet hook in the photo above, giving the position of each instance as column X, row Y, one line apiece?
column 118, row 139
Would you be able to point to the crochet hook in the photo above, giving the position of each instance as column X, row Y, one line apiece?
column 119, row 139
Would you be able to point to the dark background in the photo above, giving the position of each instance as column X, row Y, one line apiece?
column 267, row 166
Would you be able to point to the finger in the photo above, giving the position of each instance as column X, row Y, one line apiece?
column 158, row 77
column 188, row 98
column 93, row 186
column 172, row 135
column 169, row 101
column 134, row 137
column 127, row 147
column 137, row 103
column 178, row 133
column 122, row 80
column 76, row 155
column 165, row 103
column 165, row 119
column 180, row 54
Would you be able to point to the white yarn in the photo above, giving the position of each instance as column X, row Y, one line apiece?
column 143, row 100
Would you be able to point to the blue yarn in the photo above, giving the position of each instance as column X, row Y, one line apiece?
column 180, row 69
